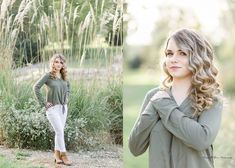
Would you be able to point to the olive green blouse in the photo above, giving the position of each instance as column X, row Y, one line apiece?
column 57, row 90
column 175, row 139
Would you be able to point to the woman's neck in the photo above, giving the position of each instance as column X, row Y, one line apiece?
column 181, row 85
column 58, row 74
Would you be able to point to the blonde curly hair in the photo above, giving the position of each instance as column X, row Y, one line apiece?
column 63, row 70
column 204, row 89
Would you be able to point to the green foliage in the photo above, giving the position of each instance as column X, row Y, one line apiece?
column 114, row 106
column 135, row 62
column 6, row 163
column 86, row 103
column 98, row 109
column 20, row 155
column 24, row 122
column 26, row 127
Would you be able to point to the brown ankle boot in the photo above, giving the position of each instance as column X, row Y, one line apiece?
column 57, row 157
column 65, row 159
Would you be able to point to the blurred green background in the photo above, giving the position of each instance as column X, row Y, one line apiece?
column 147, row 25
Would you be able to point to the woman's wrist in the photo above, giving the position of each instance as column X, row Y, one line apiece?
column 48, row 105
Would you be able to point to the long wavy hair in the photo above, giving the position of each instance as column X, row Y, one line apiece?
column 204, row 88
column 63, row 70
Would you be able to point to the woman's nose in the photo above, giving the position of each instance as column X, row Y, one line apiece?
column 174, row 58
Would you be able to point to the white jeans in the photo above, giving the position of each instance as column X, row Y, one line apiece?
column 57, row 119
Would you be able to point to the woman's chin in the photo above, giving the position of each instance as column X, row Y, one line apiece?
column 179, row 76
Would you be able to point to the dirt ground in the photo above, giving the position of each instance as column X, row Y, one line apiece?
column 110, row 157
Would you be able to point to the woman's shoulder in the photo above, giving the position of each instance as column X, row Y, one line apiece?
column 219, row 99
column 152, row 91
column 46, row 75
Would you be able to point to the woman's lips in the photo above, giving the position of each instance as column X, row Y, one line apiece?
column 174, row 67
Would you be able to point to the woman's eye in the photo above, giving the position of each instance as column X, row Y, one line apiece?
column 183, row 54
column 169, row 54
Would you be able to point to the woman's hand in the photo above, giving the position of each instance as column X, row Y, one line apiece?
column 160, row 94
column 49, row 104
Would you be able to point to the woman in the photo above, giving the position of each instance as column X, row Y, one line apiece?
column 56, row 103
column 179, row 121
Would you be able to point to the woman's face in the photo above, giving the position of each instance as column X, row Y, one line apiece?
column 177, row 61
column 58, row 64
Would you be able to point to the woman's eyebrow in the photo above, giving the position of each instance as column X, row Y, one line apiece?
column 179, row 50
column 168, row 50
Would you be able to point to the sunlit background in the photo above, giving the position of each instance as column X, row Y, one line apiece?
column 148, row 24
